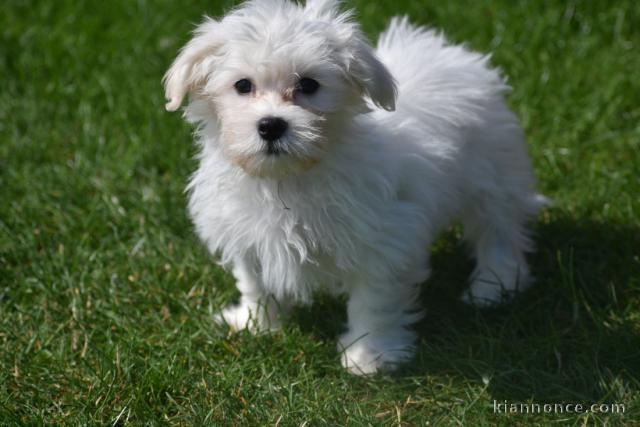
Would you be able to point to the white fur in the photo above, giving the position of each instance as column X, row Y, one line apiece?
column 362, row 190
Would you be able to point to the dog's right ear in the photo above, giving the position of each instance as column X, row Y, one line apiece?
column 188, row 71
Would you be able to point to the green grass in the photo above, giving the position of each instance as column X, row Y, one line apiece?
column 106, row 296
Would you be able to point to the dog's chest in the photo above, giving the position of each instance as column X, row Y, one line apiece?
column 300, row 239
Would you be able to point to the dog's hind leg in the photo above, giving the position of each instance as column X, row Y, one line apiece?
column 496, row 230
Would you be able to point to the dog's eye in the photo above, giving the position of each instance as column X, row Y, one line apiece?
column 243, row 86
column 307, row 86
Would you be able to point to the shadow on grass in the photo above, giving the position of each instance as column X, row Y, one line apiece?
column 570, row 338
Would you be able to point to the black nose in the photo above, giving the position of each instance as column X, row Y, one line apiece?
column 271, row 128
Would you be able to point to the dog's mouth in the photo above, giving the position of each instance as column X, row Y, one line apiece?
column 295, row 151
column 275, row 148
column 275, row 161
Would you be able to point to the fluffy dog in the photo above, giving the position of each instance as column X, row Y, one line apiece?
column 327, row 165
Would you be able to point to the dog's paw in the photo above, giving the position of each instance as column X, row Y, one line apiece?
column 497, row 285
column 489, row 293
column 252, row 317
column 484, row 295
column 369, row 354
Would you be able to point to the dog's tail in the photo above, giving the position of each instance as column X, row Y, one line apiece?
column 445, row 83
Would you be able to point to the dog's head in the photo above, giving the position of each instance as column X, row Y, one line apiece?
column 279, row 79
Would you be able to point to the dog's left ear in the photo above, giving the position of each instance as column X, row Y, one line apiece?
column 371, row 74
column 189, row 69
column 363, row 68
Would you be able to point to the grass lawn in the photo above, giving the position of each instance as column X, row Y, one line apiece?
column 106, row 295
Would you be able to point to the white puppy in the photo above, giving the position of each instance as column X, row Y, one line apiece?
column 328, row 165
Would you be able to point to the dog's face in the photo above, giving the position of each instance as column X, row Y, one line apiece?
column 279, row 80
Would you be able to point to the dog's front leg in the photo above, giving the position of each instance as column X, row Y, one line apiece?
column 257, row 310
column 378, row 335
